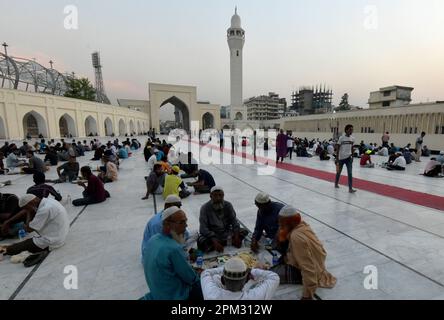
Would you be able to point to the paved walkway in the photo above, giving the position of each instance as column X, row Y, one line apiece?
column 402, row 239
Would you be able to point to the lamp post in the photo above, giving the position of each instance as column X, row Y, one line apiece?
column 5, row 45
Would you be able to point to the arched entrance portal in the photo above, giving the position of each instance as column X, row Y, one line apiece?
column 239, row 116
column 109, row 130
column 207, row 121
column 181, row 114
column 132, row 127
column 122, row 127
column 34, row 125
column 90, row 126
column 67, row 126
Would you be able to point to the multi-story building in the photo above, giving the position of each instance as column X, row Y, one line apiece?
column 394, row 96
column 309, row 100
column 266, row 107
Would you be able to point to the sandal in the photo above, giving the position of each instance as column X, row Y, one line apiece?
column 34, row 259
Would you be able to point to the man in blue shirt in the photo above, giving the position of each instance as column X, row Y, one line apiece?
column 167, row 272
column 267, row 219
column 154, row 226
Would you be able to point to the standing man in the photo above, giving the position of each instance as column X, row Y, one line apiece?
column 344, row 156
column 419, row 143
column 290, row 145
column 385, row 139
column 281, row 146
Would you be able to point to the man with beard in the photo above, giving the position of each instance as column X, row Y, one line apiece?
column 218, row 224
column 167, row 272
column 305, row 253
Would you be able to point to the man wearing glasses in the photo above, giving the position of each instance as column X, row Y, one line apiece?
column 167, row 272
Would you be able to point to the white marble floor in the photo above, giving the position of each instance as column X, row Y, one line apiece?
column 403, row 241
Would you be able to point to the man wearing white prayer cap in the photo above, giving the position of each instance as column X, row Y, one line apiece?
column 167, row 272
column 267, row 220
column 234, row 281
column 218, row 224
column 154, row 225
column 47, row 217
column 305, row 254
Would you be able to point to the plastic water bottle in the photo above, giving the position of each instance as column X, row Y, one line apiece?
column 22, row 234
column 275, row 260
column 199, row 261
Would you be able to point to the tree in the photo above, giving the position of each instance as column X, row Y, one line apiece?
column 344, row 105
column 80, row 89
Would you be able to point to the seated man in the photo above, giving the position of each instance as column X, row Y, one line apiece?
column 383, row 152
column 305, row 254
column 108, row 173
column 267, row 220
column 51, row 157
column 366, row 160
column 154, row 225
column 35, row 164
column 426, row 151
column 9, row 206
column 167, row 272
column 218, row 224
column 45, row 216
column 204, row 183
column 172, row 184
column 42, row 190
column 95, row 191
column 122, row 153
column 234, row 281
column 323, row 155
column 407, row 156
column 433, row 168
column 69, row 171
column 12, row 161
column 155, row 181
column 24, row 148
column 398, row 164
column 98, row 154
column 190, row 167
column 440, row 158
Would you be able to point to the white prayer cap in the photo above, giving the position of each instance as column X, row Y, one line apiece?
column 27, row 198
column 442, row 152
column 288, row 211
column 217, row 188
column 262, row 198
column 235, row 269
column 172, row 198
column 169, row 212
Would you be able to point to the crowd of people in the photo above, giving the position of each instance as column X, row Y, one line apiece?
column 40, row 212
column 172, row 175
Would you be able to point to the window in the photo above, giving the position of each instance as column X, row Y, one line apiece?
column 387, row 93
column 237, row 53
column 416, row 130
column 442, row 130
column 405, row 130
column 362, row 130
column 386, row 103
column 411, row 130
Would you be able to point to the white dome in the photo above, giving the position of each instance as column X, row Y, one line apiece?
column 235, row 20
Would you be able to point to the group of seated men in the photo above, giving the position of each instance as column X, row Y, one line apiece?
column 168, row 269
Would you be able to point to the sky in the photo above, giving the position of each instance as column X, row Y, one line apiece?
column 353, row 46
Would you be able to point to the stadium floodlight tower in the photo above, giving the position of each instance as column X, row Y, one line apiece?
column 100, row 89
